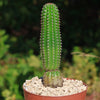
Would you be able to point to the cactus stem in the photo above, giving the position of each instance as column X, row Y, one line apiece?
column 50, row 44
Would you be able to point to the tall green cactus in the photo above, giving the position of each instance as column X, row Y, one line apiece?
column 50, row 45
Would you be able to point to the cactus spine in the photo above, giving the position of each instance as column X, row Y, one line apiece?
column 50, row 45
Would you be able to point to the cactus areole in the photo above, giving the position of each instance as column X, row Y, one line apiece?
column 50, row 45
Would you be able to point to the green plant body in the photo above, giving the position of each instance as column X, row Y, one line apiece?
column 50, row 45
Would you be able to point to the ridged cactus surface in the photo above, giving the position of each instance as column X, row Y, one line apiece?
column 50, row 37
column 53, row 79
column 50, row 43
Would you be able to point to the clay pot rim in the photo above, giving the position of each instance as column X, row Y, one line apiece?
column 58, row 96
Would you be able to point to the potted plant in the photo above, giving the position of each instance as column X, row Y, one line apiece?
column 53, row 85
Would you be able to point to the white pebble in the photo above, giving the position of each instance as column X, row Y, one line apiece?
column 69, row 87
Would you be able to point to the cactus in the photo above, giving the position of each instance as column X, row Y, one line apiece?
column 50, row 45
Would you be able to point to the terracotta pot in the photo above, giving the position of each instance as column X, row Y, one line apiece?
column 78, row 96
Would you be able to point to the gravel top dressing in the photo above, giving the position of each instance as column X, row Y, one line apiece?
column 70, row 87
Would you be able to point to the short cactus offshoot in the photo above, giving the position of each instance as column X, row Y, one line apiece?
column 50, row 45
